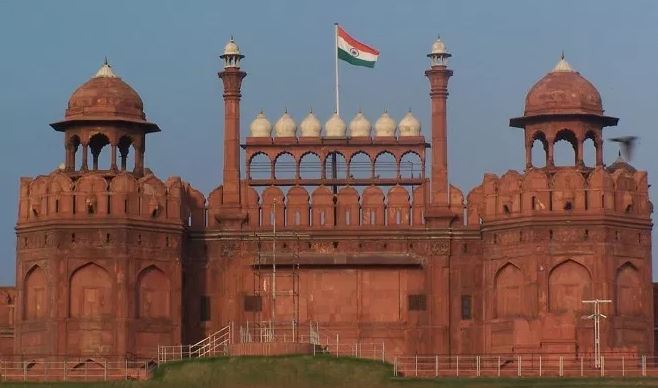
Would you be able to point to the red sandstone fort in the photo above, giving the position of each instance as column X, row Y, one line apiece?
column 371, row 241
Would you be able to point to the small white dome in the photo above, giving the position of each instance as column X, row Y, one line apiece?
column 285, row 127
column 105, row 71
column 385, row 125
column 260, row 127
column 438, row 47
column 359, row 126
column 310, row 126
column 335, row 126
column 231, row 48
column 409, row 125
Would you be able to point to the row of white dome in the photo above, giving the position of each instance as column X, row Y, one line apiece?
column 335, row 126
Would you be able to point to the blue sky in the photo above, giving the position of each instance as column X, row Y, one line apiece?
column 168, row 51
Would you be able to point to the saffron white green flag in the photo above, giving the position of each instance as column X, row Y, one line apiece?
column 352, row 51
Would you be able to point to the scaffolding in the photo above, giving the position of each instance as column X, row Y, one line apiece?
column 276, row 277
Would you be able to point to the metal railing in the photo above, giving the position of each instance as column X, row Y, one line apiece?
column 524, row 365
column 75, row 370
column 211, row 346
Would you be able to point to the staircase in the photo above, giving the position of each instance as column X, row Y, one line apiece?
column 216, row 344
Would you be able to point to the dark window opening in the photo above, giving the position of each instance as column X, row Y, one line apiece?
column 467, row 307
column 253, row 303
column 418, row 302
column 567, row 206
column 204, row 308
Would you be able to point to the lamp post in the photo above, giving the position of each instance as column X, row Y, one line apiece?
column 596, row 316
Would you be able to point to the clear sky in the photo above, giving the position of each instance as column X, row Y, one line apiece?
column 168, row 51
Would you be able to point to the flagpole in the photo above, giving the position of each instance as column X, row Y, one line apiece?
column 336, row 58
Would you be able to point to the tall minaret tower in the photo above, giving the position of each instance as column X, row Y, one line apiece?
column 439, row 74
column 232, row 77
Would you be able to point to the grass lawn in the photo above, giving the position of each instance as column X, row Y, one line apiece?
column 321, row 372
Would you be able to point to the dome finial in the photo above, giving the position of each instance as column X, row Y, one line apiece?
column 105, row 71
column 562, row 65
column 105, row 62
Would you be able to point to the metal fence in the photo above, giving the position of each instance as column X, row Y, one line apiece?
column 75, row 370
column 214, row 345
column 524, row 366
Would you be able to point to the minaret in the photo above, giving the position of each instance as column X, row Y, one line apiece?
column 439, row 74
column 232, row 77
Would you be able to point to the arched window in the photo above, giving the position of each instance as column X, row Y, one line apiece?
column 90, row 293
column 260, row 167
column 509, row 291
column 100, row 160
column 285, row 166
column 360, row 166
column 539, row 151
column 411, row 166
column 310, row 166
column 35, row 300
column 568, row 284
column 386, row 166
column 153, row 294
column 74, row 145
column 565, row 148
column 335, row 166
column 589, row 149
column 629, row 291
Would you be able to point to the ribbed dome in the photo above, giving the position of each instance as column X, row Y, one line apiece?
column 310, row 126
column 563, row 91
column 409, row 125
column 107, row 97
column 438, row 47
column 285, row 127
column 360, row 126
column 260, row 127
column 385, row 125
column 335, row 126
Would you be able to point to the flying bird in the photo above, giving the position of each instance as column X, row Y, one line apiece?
column 626, row 145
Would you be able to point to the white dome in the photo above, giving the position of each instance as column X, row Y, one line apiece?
column 385, row 125
column 438, row 47
column 285, row 127
column 409, row 125
column 335, row 126
column 359, row 126
column 231, row 48
column 310, row 126
column 260, row 127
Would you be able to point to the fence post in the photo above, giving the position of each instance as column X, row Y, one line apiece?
column 457, row 366
column 581, row 366
column 623, row 367
column 539, row 366
column 336, row 345
column 104, row 370
column 602, row 366
column 561, row 370
column 64, row 369
column 498, row 366
column 126, row 369
column 519, row 367
column 477, row 366
column 24, row 370
column 436, row 365
column 395, row 366
column 644, row 366
column 416, row 365
column 383, row 353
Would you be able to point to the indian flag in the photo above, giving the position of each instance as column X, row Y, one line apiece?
column 352, row 51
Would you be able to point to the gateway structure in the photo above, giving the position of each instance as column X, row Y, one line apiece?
column 372, row 243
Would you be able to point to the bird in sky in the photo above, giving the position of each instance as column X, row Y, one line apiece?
column 626, row 145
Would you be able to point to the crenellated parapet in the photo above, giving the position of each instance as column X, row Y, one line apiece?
column 566, row 192
column 109, row 197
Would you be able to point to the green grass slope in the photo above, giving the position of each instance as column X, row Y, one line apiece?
column 320, row 372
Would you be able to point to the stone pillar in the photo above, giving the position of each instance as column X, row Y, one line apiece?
column 85, row 148
column 438, row 76
column 232, row 79
column 599, row 151
column 528, row 155
column 114, row 157
column 579, row 152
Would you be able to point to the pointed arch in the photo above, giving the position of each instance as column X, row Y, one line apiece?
column 35, row 288
column 90, row 292
column 568, row 284
column 509, row 283
column 628, row 290
column 153, row 293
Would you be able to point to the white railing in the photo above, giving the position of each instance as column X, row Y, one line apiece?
column 75, row 370
column 524, row 365
column 211, row 346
